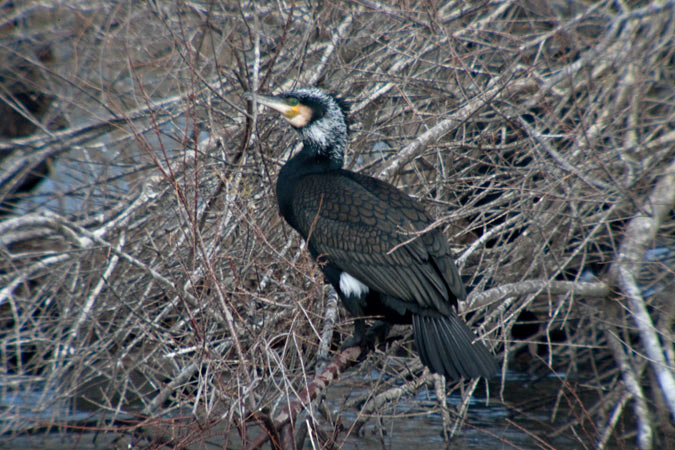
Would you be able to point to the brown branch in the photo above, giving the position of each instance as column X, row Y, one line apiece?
column 284, row 422
column 498, row 91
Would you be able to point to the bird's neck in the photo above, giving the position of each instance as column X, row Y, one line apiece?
column 309, row 161
column 325, row 139
column 318, row 157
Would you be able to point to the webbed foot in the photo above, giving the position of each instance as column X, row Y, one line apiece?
column 367, row 337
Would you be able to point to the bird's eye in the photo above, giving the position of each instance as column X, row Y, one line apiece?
column 292, row 101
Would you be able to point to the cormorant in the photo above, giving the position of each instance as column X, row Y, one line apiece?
column 367, row 237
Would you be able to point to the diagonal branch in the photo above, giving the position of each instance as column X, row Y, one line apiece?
column 640, row 231
column 284, row 421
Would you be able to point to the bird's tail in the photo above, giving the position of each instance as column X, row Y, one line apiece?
column 445, row 346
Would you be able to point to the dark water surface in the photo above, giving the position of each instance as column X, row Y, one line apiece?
column 413, row 423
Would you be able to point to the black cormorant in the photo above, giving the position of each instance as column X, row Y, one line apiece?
column 367, row 238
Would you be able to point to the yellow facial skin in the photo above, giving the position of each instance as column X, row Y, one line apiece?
column 299, row 115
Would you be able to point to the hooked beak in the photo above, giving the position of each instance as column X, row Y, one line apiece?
column 297, row 114
column 276, row 103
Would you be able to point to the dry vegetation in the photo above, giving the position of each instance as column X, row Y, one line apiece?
column 150, row 276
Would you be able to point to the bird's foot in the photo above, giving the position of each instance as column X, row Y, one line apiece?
column 358, row 338
column 367, row 337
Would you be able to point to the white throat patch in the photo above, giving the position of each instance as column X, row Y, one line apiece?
column 351, row 286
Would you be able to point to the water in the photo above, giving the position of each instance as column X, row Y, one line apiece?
column 413, row 422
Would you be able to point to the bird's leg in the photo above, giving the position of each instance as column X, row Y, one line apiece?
column 377, row 333
column 367, row 337
column 358, row 339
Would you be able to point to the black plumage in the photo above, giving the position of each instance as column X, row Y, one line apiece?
column 368, row 239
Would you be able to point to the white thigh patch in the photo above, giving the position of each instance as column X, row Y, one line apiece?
column 351, row 286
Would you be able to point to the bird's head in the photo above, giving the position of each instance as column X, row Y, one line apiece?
column 317, row 116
